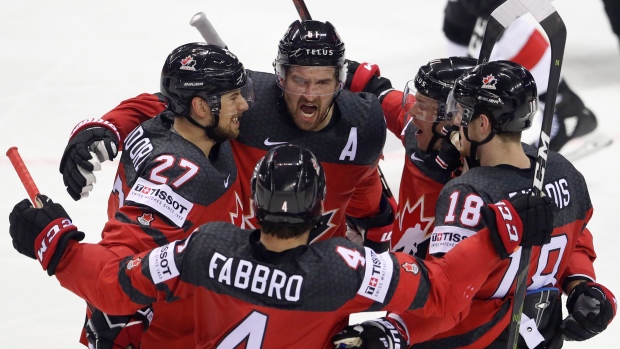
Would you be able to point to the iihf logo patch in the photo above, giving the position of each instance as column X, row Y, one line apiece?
column 146, row 219
column 188, row 63
column 489, row 82
column 411, row 268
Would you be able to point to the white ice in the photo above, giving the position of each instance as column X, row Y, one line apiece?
column 63, row 61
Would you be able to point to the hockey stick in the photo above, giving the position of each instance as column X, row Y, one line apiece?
column 553, row 25
column 499, row 20
column 300, row 5
column 24, row 176
column 205, row 28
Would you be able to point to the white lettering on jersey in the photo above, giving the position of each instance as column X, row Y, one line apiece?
column 161, row 263
column 258, row 278
column 351, row 148
column 377, row 276
column 444, row 238
column 161, row 198
column 138, row 147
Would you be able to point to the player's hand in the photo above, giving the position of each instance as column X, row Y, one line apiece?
column 376, row 231
column 523, row 220
column 367, row 77
column 42, row 233
column 448, row 157
column 382, row 333
column 110, row 332
column 84, row 153
column 591, row 307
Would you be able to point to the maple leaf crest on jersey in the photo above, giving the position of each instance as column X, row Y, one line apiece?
column 411, row 268
column 146, row 219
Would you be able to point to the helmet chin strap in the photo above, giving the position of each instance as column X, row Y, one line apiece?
column 472, row 160
column 330, row 106
column 436, row 136
column 209, row 130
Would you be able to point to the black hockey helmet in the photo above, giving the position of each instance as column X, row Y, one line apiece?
column 203, row 70
column 435, row 81
column 502, row 90
column 311, row 43
column 288, row 186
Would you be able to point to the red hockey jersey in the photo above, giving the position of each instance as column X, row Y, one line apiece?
column 299, row 298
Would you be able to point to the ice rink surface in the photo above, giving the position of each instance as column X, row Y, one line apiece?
column 63, row 61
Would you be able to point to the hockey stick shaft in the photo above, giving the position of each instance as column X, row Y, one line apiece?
column 554, row 27
column 24, row 175
column 499, row 20
column 304, row 14
column 206, row 29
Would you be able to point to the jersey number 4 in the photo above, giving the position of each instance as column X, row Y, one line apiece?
column 251, row 329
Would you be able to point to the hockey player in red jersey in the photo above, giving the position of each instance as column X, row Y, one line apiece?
column 304, row 104
column 177, row 171
column 523, row 42
column 417, row 117
column 249, row 286
column 492, row 104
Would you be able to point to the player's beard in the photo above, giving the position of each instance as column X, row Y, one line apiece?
column 224, row 130
column 221, row 134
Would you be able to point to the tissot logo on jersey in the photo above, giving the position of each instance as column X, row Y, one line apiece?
column 256, row 278
column 161, row 264
column 444, row 238
column 161, row 198
column 377, row 276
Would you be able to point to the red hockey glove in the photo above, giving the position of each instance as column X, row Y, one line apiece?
column 382, row 333
column 523, row 220
column 367, row 77
column 92, row 142
column 591, row 307
column 42, row 233
column 116, row 332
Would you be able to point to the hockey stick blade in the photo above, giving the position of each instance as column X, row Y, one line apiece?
column 499, row 20
column 206, row 30
column 300, row 5
column 553, row 25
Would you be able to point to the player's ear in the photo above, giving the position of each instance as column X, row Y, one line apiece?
column 201, row 108
column 485, row 124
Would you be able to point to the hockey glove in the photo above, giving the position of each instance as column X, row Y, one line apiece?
column 93, row 142
column 116, row 332
column 523, row 220
column 591, row 307
column 376, row 231
column 42, row 233
column 448, row 157
column 367, row 77
column 382, row 333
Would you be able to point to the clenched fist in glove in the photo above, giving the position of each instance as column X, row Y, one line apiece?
column 366, row 77
column 448, row 157
column 105, row 331
column 523, row 220
column 591, row 307
column 42, row 233
column 382, row 333
column 92, row 142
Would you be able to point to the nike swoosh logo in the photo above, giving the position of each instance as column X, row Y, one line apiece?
column 268, row 143
column 226, row 181
column 415, row 158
